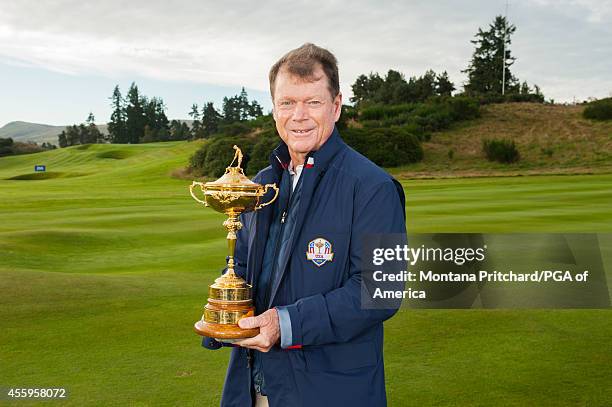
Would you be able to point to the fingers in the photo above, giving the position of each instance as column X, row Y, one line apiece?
column 250, row 322
column 260, row 342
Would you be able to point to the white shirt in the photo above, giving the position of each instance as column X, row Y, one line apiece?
column 295, row 174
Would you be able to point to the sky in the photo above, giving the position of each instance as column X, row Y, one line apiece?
column 61, row 59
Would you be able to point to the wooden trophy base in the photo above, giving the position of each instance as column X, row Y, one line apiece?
column 224, row 332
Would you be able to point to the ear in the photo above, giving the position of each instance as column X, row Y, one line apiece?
column 273, row 111
column 337, row 106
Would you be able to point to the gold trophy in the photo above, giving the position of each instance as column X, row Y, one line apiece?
column 230, row 297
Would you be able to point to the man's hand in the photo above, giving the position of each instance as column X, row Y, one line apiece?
column 269, row 331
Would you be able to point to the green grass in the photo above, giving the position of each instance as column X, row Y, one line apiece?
column 102, row 276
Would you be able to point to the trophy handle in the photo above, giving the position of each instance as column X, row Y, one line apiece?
column 267, row 187
column 193, row 195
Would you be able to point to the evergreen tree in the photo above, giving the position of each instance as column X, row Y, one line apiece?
column 179, row 131
column 62, row 140
column 243, row 105
column 365, row 88
column 73, row 135
column 238, row 108
column 486, row 67
column 231, row 109
column 255, row 109
column 210, row 119
column 156, row 122
column 135, row 115
column 196, row 125
column 91, row 134
column 525, row 90
column 444, row 86
column 117, row 127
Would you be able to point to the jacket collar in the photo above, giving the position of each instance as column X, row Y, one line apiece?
column 280, row 159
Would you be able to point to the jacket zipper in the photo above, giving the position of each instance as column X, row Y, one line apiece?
column 278, row 241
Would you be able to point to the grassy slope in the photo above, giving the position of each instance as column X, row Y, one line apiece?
column 550, row 138
column 102, row 275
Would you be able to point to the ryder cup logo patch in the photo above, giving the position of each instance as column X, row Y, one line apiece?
column 319, row 251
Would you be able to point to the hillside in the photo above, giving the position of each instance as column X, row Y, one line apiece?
column 550, row 139
column 40, row 133
column 36, row 132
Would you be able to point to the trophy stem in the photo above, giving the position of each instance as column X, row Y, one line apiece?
column 232, row 224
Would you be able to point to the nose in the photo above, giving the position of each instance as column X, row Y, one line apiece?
column 300, row 112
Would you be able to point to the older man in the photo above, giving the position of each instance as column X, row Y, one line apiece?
column 317, row 346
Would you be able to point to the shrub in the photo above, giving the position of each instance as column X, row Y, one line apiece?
column 379, row 112
column 599, row 110
column 463, row 108
column 260, row 155
column 213, row 157
column 387, row 147
column 234, row 129
column 503, row 151
column 6, row 146
column 196, row 162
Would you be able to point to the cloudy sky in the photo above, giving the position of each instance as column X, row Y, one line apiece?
column 60, row 59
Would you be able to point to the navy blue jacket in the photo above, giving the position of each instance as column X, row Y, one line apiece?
column 336, row 354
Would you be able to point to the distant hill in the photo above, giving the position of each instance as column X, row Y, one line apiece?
column 39, row 133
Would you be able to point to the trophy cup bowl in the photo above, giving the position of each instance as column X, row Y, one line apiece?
column 230, row 297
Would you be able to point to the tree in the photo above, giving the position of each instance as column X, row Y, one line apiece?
column 210, row 119
column 117, row 127
column 156, row 123
column 196, row 125
column 73, row 135
column 231, row 109
column 238, row 108
column 179, row 131
column 135, row 115
column 525, row 90
column 365, row 88
column 255, row 109
column 444, row 86
column 243, row 105
column 486, row 66
column 62, row 140
column 90, row 134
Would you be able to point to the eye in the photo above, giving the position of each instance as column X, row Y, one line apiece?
column 285, row 103
column 314, row 102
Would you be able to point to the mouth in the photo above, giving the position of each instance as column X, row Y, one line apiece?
column 301, row 132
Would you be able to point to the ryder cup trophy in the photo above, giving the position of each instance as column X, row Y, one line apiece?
column 230, row 297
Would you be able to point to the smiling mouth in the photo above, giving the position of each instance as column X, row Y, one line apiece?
column 301, row 132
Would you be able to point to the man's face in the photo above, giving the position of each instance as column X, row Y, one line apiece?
column 304, row 111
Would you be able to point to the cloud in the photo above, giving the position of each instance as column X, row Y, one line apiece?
column 235, row 43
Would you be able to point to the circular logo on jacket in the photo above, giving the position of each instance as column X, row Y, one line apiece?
column 319, row 251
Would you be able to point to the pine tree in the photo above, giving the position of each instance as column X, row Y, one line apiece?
column 243, row 105
column 444, row 86
column 485, row 69
column 196, row 125
column 135, row 115
column 365, row 88
column 255, row 109
column 117, row 128
column 210, row 119
column 62, row 140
